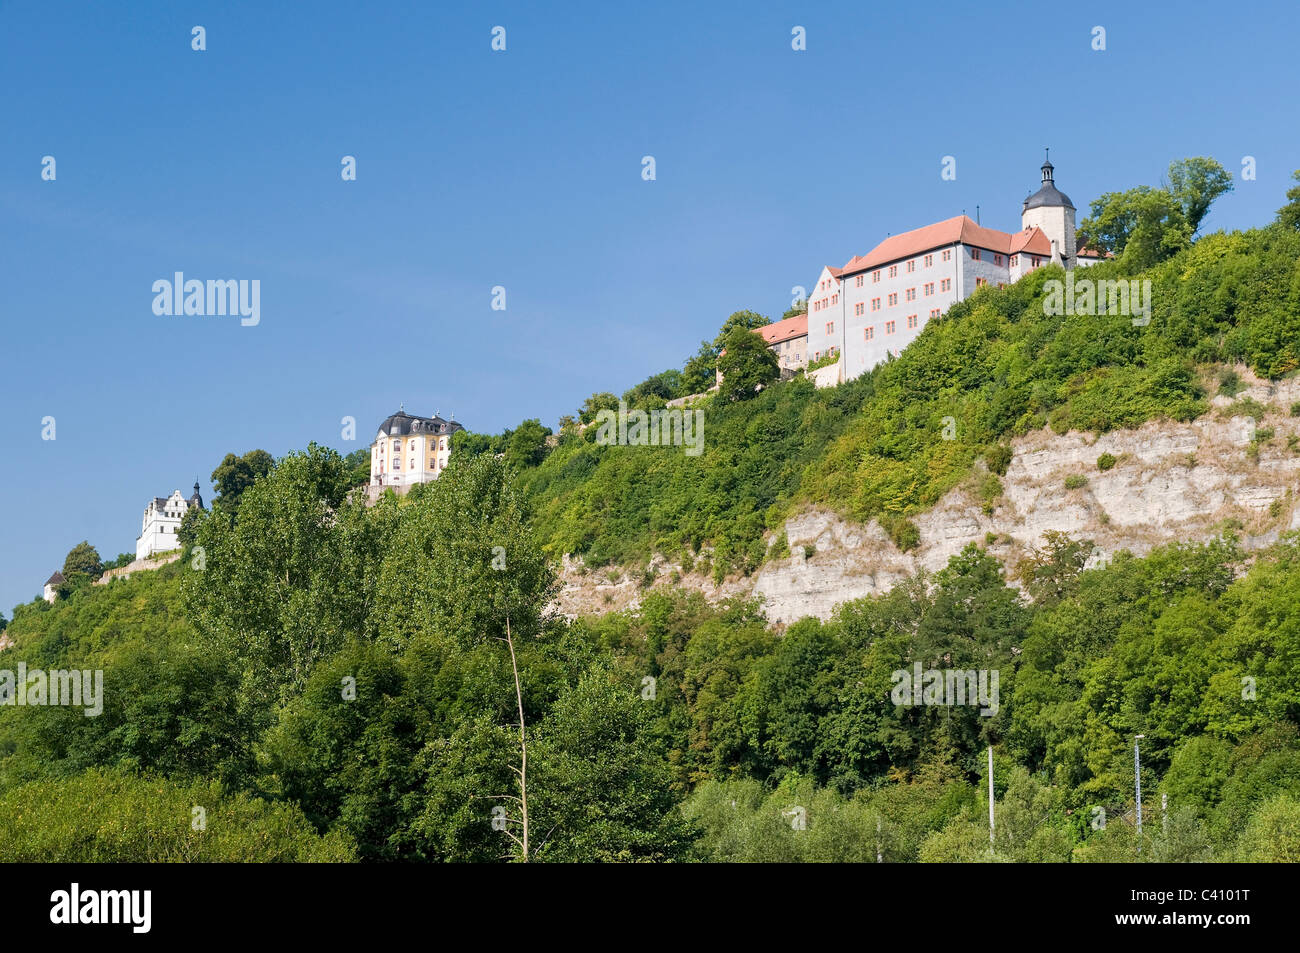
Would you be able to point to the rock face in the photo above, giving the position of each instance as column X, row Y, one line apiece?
column 1170, row 482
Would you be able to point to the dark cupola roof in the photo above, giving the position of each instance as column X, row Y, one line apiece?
column 196, row 499
column 401, row 424
column 1049, row 195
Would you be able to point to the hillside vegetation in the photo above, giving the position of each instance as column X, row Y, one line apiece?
column 329, row 681
column 994, row 367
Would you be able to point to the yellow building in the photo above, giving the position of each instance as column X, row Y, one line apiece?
column 409, row 450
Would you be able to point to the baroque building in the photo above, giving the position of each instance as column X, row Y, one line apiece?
column 409, row 450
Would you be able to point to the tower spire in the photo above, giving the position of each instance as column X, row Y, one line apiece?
column 1047, row 166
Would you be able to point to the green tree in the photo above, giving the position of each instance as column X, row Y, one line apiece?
column 293, row 578
column 746, row 363
column 187, row 532
column 105, row 816
column 1195, row 183
column 358, row 464
column 1273, row 834
column 526, row 445
column 235, row 474
column 83, row 558
column 743, row 320
column 1289, row 214
column 461, row 561
column 594, row 405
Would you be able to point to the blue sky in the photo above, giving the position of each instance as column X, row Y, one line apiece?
column 520, row 169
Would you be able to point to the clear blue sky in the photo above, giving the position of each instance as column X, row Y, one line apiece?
column 520, row 169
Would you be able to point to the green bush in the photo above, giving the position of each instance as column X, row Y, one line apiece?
column 104, row 816
column 1105, row 461
column 1076, row 481
column 1230, row 384
column 904, row 533
column 998, row 458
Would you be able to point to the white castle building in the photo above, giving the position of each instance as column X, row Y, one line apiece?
column 878, row 303
column 162, row 521
column 409, row 450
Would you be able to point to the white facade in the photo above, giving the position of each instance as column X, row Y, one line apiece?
column 877, row 304
column 50, row 591
column 162, row 521
column 823, row 314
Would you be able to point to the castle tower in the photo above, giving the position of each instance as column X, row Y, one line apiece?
column 1051, row 210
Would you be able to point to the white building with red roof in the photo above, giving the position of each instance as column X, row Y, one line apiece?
column 788, row 340
column 881, row 301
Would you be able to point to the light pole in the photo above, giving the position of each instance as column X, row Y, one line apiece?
column 990, row 799
column 1137, row 786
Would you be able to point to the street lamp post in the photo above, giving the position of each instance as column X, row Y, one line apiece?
column 1137, row 786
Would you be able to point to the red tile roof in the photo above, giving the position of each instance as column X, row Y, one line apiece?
column 795, row 327
column 949, row 232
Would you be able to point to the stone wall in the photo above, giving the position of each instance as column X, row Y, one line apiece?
column 124, row 572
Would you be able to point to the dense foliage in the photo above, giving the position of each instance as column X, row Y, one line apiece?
column 327, row 680
column 995, row 366
column 330, row 719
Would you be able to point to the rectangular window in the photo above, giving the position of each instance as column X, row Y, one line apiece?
column 934, row 312
column 980, row 282
column 911, row 266
column 875, row 304
column 974, row 254
column 893, row 271
column 997, row 259
column 929, row 260
column 889, row 327
column 893, row 299
column 868, row 333
column 830, row 327
column 859, row 281
column 945, row 284
column 947, row 254
column 911, row 321
column 1015, row 259
column 929, row 288
column 875, row 276
column 859, row 308
column 835, row 299
column 911, row 294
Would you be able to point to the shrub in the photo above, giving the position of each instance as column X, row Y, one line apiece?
column 998, row 458
column 990, row 491
column 904, row 533
column 1076, row 481
column 1105, row 461
column 1230, row 384
column 113, row 817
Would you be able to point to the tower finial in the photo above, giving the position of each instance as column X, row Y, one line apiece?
column 1047, row 166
